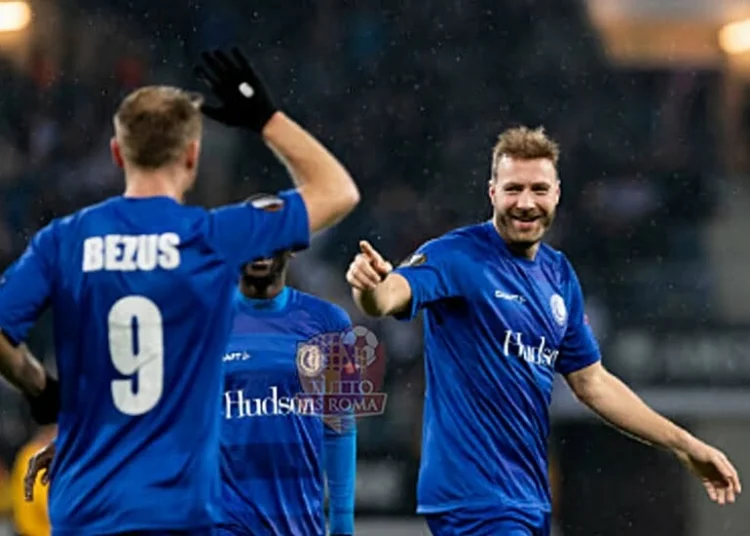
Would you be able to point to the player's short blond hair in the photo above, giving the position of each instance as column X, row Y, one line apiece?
column 524, row 143
column 155, row 124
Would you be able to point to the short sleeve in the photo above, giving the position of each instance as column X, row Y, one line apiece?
column 431, row 276
column 26, row 287
column 579, row 347
column 261, row 227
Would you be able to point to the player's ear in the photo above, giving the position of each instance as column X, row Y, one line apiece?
column 192, row 153
column 491, row 188
column 116, row 152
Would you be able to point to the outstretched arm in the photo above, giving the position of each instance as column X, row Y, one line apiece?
column 617, row 404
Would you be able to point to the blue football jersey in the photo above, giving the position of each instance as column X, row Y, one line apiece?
column 496, row 329
column 141, row 292
column 272, row 440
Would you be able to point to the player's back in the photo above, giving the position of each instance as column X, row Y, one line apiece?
column 141, row 295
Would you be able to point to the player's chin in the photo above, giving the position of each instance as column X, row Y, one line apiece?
column 527, row 238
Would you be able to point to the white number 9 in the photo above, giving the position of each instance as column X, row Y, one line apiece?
column 136, row 346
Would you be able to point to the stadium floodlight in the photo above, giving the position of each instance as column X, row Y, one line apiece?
column 14, row 16
column 734, row 38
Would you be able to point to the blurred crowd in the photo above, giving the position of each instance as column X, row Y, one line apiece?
column 410, row 95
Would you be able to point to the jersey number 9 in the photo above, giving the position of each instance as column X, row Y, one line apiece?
column 136, row 345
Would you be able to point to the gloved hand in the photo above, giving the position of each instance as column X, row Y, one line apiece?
column 245, row 100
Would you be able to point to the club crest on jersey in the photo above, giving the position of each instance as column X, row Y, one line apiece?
column 559, row 311
column 414, row 260
column 343, row 373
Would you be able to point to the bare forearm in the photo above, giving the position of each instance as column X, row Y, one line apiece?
column 314, row 170
column 20, row 368
column 390, row 297
column 297, row 149
column 617, row 404
column 367, row 302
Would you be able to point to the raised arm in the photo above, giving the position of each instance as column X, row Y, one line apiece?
column 324, row 184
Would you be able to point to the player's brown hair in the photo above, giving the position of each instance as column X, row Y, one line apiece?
column 524, row 143
column 154, row 124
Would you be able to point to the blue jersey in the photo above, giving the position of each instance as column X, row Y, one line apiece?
column 496, row 329
column 273, row 442
column 141, row 292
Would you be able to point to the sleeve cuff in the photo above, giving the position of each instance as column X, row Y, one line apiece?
column 301, row 231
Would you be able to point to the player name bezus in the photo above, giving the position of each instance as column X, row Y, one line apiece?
column 128, row 253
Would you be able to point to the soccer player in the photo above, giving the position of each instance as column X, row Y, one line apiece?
column 503, row 313
column 141, row 288
column 275, row 447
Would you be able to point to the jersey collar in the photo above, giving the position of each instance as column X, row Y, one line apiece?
column 257, row 306
column 505, row 250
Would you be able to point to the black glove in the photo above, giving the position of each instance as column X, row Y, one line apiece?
column 46, row 405
column 245, row 101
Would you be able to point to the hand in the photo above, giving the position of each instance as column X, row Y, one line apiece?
column 717, row 473
column 245, row 100
column 41, row 461
column 368, row 268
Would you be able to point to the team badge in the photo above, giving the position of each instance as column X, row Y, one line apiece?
column 557, row 305
column 342, row 374
column 267, row 202
column 414, row 260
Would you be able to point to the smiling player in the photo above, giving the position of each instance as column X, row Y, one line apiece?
column 503, row 314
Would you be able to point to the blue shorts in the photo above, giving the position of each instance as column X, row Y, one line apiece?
column 470, row 523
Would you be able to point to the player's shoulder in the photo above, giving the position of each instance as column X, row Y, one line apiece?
column 117, row 204
column 69, row 221
column 320, row 307
column 557, row 261
column 456, row 239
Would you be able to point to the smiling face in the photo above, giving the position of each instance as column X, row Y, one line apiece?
column 524, row 188
column 524, row 195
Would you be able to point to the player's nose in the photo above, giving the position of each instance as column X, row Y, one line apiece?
column 525, row 200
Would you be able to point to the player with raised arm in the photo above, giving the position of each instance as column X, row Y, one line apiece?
column 503, row 313
column 277, row 450
column 141, row 289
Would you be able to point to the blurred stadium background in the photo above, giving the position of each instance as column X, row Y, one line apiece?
column 650, row 100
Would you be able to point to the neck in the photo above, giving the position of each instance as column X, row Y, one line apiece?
column 520, row 249
column 257, row 289
column 162, row 182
